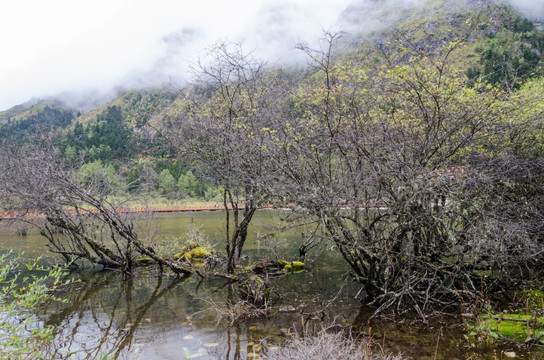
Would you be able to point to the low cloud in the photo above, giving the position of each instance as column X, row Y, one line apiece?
column 532, row 9
column 91, row 47
column 84, row 49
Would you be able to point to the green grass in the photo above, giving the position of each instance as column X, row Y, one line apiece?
column 164, row 202
column 509, row 326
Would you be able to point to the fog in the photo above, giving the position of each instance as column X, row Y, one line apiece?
column 85, row 51
column 92, row 47
column 533, row 9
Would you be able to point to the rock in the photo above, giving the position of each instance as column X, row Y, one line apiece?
column 510, row 354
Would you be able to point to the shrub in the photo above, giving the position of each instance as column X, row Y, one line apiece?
column 21, row 336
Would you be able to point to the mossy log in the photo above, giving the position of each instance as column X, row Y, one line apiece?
column 198, row 252
column 144, row 261
column 262, row 267
column 291, row 266
column 271, row 267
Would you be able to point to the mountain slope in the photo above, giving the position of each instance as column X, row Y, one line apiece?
column 40, row 117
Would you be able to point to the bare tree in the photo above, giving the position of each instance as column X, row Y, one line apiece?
column 222, row 126
column 388, row 155
column 79, row 221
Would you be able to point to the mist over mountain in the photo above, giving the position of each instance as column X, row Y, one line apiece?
column 533, row 9
column 96, row 46
column 86, row 61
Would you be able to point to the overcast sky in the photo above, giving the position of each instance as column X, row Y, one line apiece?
column 57, row 45
column 52, row 46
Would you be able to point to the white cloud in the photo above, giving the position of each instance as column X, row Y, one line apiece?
column 66, row 45
column 533, row 9
column 53, row 46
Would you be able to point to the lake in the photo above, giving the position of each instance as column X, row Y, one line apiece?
column 153, row 317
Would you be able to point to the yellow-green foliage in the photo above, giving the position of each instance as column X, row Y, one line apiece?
column 525, row 324
column 27, row 338
column 185, row 251
column 291, row 266
column 135, row 105
column 182, row 256
column 22, row 112
column 282, row 263
column 411, row 98
column 189, row 246
column 534, row 294
column 200, row 252
column 510, row 326
column 197, row 252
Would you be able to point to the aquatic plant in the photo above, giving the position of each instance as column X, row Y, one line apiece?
column 523, row 323
column 327, row 345
column 237, row 311
column 256, row 291
column 21, row 335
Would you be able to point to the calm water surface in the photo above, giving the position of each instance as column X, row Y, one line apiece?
column 152, row 317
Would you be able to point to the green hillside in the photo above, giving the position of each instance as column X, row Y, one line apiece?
column 42, row 117
column 494, row 45
column 116, row 130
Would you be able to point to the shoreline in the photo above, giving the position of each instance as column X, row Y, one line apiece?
column 5, row 215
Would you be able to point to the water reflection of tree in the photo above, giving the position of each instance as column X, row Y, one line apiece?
column 105, row 309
